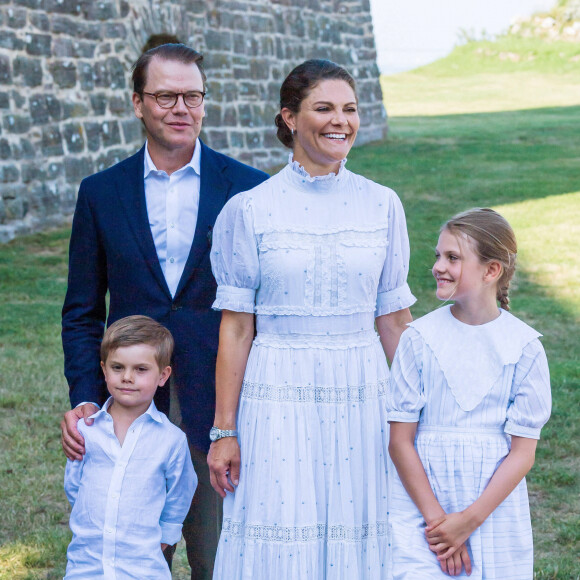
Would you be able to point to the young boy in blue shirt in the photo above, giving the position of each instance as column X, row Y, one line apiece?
column 134, row 485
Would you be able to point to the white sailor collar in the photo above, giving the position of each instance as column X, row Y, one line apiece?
column 472, row 358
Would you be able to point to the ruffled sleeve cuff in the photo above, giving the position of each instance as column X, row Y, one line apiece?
column 512, row 428
column 235, row 299
column 403, row 417
column 394, row 300
column 170, row 533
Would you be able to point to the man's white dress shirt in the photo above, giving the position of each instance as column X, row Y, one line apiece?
column 127, row 500
column 172, row 207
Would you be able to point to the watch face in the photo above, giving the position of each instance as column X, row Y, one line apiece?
column 213, row 434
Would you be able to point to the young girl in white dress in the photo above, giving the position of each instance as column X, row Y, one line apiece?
column 470, row 393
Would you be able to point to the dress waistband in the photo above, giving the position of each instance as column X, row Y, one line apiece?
column 316, row 325
column 326, row 342
column 452, row 430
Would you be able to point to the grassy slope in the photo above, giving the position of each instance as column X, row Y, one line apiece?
column 514, row 146
column 524, row 162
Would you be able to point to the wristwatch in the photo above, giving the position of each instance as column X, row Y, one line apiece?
column 216, row 433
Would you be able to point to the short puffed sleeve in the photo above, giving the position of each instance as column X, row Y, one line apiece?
column 234, row 257
column 405, row 398
column 530, row 398
column 393, row 291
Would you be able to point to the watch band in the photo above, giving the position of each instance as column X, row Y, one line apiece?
column 217, row 433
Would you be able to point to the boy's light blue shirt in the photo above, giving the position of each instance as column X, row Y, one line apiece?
column 127, row 500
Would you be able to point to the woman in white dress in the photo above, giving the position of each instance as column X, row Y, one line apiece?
column 300, row 441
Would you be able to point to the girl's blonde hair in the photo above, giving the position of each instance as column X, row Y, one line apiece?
column 493, row 241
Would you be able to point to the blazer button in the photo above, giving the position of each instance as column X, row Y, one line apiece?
column 176, row 307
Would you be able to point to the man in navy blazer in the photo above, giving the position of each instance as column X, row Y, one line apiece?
column 142, row 232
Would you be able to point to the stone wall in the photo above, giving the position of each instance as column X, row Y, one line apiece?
column 65, row 97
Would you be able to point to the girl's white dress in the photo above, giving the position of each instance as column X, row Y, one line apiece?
column 469, row 388
column 316, row 259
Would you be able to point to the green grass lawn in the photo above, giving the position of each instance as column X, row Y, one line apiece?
column 471, row 130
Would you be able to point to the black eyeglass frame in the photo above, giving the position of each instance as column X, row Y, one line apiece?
column 176, row 96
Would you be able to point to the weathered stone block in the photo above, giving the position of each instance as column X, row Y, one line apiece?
column 110, row 158
column 259, row 69
column 9, row 174
column 65, row 6
column 39, row 109
column 18, row 98
column 16, row 18
column 74, row 109
column 17, row 124
column 30, row 69
column 115, row 30
column 245, row 115
column 218, row 40
column 26, row 150
column 237, row 139
column 86, row 76
column 230, row 115
column 217, row 140
column 4, row 101
column 77, row 168
column 93, row 135
column 120, row 105
column 73, row 135
column 254, row 140
column 15, row 206
column 31, row 172
column 64, row 73
column 110, row 133
column 10, row 41
column 213, row 115
column 101, row 10
column 34, row 4
column 133, row 131
column 116, row 72
column 99, row 103
column 54, row 170
column 5, row 152
column 39, row 20
column 39, row 44
column 52, row 142
column 5, row 70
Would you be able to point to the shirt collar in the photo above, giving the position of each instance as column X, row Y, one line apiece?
column 151, row 411
column 194, row 163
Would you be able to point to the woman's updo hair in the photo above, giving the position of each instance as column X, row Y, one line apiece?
column 297, row 86
column 493, row 241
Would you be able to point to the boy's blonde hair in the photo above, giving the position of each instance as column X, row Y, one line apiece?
column 493, row 241
column 139, row 329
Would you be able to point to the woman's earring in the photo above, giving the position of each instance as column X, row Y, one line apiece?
column 292, row 132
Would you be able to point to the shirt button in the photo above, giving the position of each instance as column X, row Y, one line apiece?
column 171, row 225
column 172, row 260
column 109, row 530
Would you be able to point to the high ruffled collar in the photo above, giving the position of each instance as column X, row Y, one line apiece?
column 302, row 179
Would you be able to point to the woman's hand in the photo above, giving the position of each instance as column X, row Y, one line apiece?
column 224, row 464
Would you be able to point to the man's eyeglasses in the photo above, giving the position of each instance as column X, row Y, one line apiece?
column 167, row 100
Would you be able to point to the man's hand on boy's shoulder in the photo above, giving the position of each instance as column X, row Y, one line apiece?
column 73, row 443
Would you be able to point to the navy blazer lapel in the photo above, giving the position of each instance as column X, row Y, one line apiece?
column 132, row 196
column 213, row 193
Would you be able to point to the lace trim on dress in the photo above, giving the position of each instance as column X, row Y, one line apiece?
column 287, row 534
column 315, row 394
column 349, row 231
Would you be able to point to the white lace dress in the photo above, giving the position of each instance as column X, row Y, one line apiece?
column 470, row 388
column 316, row 259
